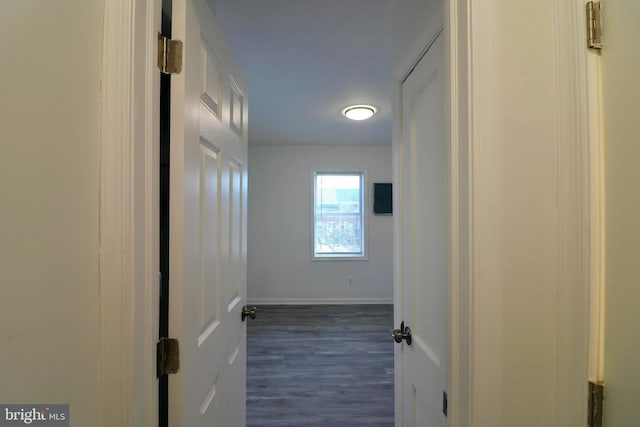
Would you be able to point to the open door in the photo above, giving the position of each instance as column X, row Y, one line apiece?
column 422, row 294
column 208, row 188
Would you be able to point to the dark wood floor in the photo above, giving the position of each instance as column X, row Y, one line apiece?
column 320, row 365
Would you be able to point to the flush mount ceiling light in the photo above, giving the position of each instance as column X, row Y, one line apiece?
column 359, row 112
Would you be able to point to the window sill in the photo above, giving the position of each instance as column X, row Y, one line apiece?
column 340, row 258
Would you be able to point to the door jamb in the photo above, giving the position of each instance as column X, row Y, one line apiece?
column 458, row 131
column 596, row 210
column 398, row 241
column 129, row 213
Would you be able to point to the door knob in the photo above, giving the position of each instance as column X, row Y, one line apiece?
column 249, row 312
column 404, row 333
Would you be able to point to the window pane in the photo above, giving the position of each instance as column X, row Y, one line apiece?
column 338, row 214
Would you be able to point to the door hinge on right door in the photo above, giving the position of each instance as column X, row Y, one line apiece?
column 594, row 25
column 169, row 55
column 596, row 403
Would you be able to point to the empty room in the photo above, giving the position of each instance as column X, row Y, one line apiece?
column 319, row 256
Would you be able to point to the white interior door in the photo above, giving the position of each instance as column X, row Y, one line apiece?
column 208, row 224
column 425, row 244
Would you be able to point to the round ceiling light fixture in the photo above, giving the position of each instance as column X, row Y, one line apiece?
column 359, row 112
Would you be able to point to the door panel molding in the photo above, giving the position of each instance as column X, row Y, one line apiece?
column 128, row 213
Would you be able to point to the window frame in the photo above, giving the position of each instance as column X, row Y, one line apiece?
column 364, row 254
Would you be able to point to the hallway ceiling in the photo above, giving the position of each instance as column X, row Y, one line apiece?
column 305, row 61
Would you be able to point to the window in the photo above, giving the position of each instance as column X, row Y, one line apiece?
column 338, row 213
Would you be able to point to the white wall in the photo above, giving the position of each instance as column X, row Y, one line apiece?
column 279, row 236
column 413, row 25
column 621, row 109
column 49, row 175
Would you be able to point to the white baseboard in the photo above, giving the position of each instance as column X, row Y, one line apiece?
column 310, row 301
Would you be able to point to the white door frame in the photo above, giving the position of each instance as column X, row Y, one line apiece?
column 129, row 140
column 591, row 62
column 128, row 208
column 456, row 96
column 475, row 381
column 472, row 389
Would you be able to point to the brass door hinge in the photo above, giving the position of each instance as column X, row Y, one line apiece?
column 596, row 404
column 169, row 55
column 168, row 357
column 594, row 25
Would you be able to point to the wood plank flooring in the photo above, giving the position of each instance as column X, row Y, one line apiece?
column 320, row 365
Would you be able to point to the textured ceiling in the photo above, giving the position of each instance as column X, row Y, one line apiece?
column 305, row 61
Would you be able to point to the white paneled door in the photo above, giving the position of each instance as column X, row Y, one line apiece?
column 424, row 260
column 208, row 225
